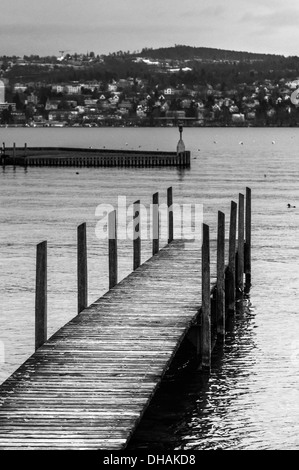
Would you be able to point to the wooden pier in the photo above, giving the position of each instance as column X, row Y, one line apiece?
column 90, row 157
column 88, row 386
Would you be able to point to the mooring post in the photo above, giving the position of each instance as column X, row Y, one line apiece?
column 136, row 236
column 230, row 278
column 14, row 152
column 170, row 214
column 155, row 228
column 220, row 293
column 240, row 267
column 25, row 150
column 82, row 267
column 247, row 252
column 112, row 236
column 206, row 301
column 41, row 295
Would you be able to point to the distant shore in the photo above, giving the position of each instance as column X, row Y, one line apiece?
column 117, row 125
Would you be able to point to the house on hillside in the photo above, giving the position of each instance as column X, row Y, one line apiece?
column 72, row 89
column 58, row 88
column 52, row 104
column 169, row 92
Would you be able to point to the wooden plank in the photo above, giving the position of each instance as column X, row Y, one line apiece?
column 240, row 263
column 41, row 295
column 112, row 246
column 156, row 223
column 247, row 248
column 230, row 274
column 82, row 267
column 206, row 301
column 220, row 293
column 136, row 236
column 170, row 214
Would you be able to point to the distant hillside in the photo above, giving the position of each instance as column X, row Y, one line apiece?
column 163, row 67
column 180, row 52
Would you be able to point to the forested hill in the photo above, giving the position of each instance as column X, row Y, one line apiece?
column 165, row 66
column 181, row 52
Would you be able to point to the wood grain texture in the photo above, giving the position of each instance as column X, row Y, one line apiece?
column 41, row 295
column 88, row 385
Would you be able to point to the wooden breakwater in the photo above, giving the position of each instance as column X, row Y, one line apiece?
column 88, row 386
column 90, row 157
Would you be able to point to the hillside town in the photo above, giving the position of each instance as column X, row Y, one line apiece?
column 137, row 101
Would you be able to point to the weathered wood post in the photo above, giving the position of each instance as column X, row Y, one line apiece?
column 14, row 153
column 220, row 293
column 247, row 252
column 136, row 236
column 25, row 150
column 41, row 295
column 240, row 267
column 155, row 228
column 170, row 214
column 230, row 278
column 82, row 267
column 206, row 301
column 112, row 236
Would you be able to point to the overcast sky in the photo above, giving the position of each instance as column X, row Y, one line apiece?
column 45, row 27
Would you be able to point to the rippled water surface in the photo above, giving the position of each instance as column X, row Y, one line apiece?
column 250, row 400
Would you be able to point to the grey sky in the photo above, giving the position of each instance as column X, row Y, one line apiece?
column 47, row 26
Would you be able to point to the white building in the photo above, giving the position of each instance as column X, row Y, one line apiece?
column 72, row 89
column 2, row 92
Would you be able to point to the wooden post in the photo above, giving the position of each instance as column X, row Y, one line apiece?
column 41, row 295
column 247, row 252
column 25, row 149
column 155, row 228
column 82, row 267
column 112, row 235
column 240, row 267
column 14, row 152
column 170, row 214
column 220, row 293
column 206, row 301
column 230, row 280
column 136, row 236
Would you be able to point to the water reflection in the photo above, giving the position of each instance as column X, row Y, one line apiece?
column 182, row 172
column 194, row 411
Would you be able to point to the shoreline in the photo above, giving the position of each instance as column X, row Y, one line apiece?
column 143, row 126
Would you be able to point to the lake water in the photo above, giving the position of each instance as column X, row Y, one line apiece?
column 251, row 400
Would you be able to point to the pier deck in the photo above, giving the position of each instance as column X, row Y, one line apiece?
column 88, row 386
column 91, row 157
